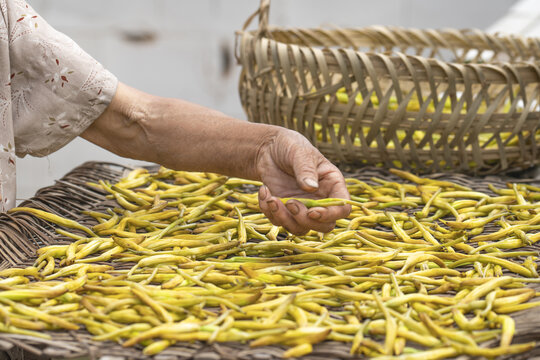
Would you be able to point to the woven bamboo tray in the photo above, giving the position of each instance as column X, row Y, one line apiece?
column 21, row 234
column 421, row 100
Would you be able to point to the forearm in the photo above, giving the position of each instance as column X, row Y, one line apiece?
column 184, row 136
column 191, row 137
column 178, row 134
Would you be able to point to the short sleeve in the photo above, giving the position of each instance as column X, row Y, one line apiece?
column 57, row 89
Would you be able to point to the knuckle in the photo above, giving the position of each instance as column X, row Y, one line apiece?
column 327, row 227
column 299, row 231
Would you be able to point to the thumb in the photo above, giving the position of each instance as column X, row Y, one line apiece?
column 305, row 170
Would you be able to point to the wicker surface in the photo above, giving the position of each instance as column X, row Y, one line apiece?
column 428, row 100
column 21, row 234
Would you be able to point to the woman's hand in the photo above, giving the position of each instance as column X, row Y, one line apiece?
column 289, row 166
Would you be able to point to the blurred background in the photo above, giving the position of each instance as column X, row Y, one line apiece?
column 185, row 49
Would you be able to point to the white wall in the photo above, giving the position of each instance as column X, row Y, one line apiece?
column 183, row 54
column 522, row 18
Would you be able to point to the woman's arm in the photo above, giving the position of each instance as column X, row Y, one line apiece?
column 182, row 135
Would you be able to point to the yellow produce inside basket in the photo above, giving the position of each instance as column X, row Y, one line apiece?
column 486, row 140
column 423, row 267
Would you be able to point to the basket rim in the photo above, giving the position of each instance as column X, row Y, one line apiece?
column 531, row 67
column 523, row 73
column 398, row 35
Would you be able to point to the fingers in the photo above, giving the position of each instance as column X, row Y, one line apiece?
column 305, row 166
column 301, row 216
column 329, row 214
column 294, row 215
column 278, row 214
column 331, row 185
column 331, row 182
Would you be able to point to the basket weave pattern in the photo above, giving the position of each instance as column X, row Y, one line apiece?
column 21, row 234
column 421, row 100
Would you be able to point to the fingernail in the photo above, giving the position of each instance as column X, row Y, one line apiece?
column 314, row 214
column 311, row 183
column 264, row 192
column 272, row 205
column 293, row 208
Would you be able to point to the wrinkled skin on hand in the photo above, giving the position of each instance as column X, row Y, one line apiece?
column 289, row 166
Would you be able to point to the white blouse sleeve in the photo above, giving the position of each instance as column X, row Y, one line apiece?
column 57, row 90
column 50, row 90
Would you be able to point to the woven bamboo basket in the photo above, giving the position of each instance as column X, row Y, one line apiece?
column 421, row 100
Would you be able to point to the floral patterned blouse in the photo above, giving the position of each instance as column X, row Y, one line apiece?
column 50, row 90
